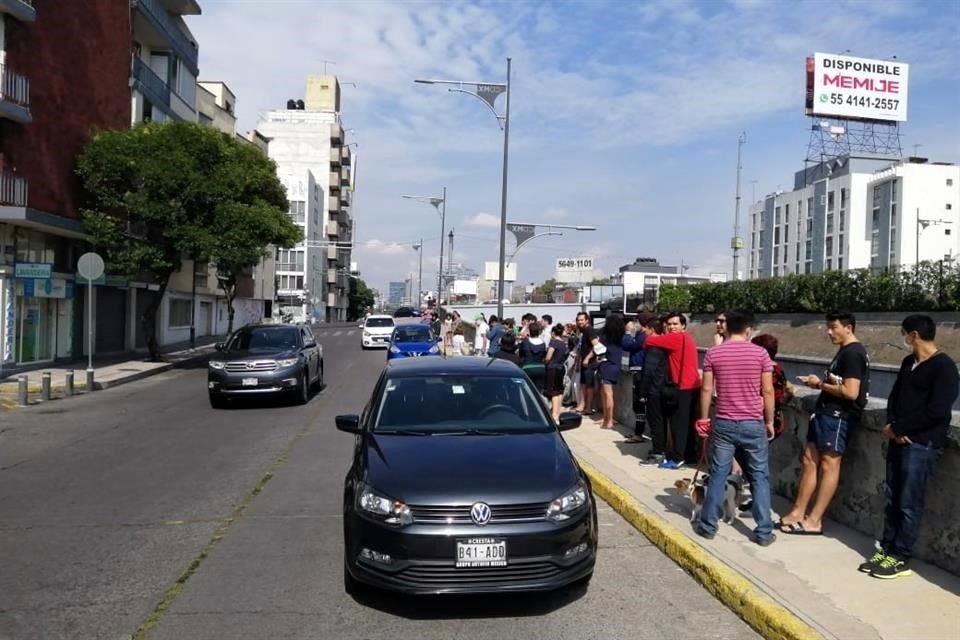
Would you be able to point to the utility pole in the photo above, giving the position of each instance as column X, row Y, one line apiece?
column 503, row 199
column 736, row 243
column 443, row 222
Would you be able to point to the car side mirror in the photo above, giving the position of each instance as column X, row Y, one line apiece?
column 348, row 423
column 220, row 346
column 569, row 420
column 310, row 344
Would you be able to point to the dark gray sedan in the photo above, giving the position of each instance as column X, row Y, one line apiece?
column 266, row 359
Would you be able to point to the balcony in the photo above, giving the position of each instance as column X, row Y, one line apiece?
column 334, row 181
column 13, row 190
column 333, row 204
column 150, row 84
column 14, row 96
column 345, row 156
column 346, row 198
column 335, row 156
column 161, row 20
column 336, row 134
column 22, row 10
column 333, row 229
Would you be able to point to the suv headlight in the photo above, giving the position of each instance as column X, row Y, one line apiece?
column 434, row 349
column 563, row 507
column 217, row 364
column 390, row 511
column 288, row 362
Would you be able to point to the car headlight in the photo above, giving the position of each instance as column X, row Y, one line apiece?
column 288, row 362
column 434, row 349
column 217, row 364
column 394, row 349
column 390, row 511
column 366, row 334
column 567, row 504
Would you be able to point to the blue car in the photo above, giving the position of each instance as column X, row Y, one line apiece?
column 412, row 340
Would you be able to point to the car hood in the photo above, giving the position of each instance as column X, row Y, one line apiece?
column 256, row 354
column 414, row 346
column 445, row 470
column 379, row 330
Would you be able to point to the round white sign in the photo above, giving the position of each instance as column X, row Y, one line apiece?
column 90, row 266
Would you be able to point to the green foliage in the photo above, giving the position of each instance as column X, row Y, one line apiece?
column 159, row 193
column 361, row 299
column 932, row 287
column 548, row 287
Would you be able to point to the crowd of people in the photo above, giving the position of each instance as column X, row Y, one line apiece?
column 720, row 417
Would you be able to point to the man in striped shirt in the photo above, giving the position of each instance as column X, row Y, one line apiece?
column 743, row 375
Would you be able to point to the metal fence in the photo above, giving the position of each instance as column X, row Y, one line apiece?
column 14, row 86
column 13, row 190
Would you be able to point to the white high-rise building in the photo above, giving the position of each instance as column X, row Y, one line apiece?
column 307, row 142
column 856, row 213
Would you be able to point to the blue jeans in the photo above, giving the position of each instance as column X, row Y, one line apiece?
column 749, row 437
column 909, row 467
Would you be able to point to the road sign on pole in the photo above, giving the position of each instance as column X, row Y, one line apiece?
column 90, row 267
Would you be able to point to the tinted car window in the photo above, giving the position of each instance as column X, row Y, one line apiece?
column 458, row 403
column 379, row 322
column 263, row 339
column 404, row 312
column 412, row 334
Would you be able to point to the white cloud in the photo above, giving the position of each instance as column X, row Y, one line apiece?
column 382, row 248
column 487, row 220
column 553, row 214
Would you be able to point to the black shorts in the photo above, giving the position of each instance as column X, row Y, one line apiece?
column 828, row 433
column 554, row 384
column 588, row 376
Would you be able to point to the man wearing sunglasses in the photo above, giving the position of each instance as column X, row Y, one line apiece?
column 720, row 326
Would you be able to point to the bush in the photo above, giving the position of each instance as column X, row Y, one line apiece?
column 931, row 287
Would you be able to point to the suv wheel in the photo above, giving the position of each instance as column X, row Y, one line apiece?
column 318, row 385
column 217, row 401
column 303, row 389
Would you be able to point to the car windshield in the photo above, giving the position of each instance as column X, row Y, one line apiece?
column 412, row 333
column 460, row 405
column 264, row 339
column 379, row 322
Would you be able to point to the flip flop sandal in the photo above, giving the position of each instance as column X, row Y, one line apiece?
column 634, row 440
column 797, row 529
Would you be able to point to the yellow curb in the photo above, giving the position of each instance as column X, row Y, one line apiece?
column 767, row 617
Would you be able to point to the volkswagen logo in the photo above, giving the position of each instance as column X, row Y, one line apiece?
column 480, row 513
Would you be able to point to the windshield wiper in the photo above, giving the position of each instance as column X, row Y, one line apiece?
column 475, row 432
column 402, row 432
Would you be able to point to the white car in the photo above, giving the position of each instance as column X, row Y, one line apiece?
column 376, row 332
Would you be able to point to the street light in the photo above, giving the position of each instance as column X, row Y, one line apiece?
column 550, row 231
column 419, row 249
column 488, row 92
column 440, row 204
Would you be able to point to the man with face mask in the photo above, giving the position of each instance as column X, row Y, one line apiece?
column 918, row 419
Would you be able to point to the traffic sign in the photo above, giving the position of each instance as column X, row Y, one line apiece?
column 90, row 266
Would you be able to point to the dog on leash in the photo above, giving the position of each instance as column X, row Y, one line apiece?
column 696, row 492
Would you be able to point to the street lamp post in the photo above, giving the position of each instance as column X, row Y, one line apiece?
column 440, row 204
column 419, row 249
column 550, row 231
column 488, row 92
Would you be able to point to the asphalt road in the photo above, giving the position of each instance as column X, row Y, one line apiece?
column 140, row 508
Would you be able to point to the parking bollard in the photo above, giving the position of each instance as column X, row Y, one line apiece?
column 23, row 391
column 89, row 380
column 68, row 384
column 45, row 386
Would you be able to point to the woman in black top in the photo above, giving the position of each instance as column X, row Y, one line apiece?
column 533, row 352
column 556, row 361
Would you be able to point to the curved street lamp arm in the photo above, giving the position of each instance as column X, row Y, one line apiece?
column 499, row 118
column 531, row 239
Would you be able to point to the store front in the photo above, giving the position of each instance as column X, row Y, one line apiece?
column 37, row 310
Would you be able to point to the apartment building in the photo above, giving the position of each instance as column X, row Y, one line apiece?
column 308, row 144
column 58, row 83
column 857, row 212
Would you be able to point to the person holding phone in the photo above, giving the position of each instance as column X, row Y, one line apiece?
column 843, row 396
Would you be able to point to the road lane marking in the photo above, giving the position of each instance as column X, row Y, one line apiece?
column 337, row 334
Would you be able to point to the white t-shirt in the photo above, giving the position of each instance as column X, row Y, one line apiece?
column 480, row 341
column 458, row 342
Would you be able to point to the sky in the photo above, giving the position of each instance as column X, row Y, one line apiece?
column 624, row 115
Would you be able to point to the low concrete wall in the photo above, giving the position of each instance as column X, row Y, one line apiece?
column 860, row 501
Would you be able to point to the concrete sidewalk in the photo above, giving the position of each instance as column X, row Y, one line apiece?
column 107, row 373
column 799, row 587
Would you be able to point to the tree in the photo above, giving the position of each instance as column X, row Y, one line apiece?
column 362, row 298
column 600, row 281
column 548, row 287
column 155, row 193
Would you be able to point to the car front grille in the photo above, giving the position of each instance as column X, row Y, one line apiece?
column 500, row 514
column 447, row 576
column 258, row 366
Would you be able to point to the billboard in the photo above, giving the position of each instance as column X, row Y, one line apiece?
column 856, row 88
column 574, row 270
column 464, row 287
column 491, row 271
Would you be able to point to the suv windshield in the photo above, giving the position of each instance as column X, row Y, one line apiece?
column 412, row 333
column 460, row 405
column 379, row 322
column 264, row 339
column 404, row 312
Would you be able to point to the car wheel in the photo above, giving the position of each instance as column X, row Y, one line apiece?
column 303, row 389
column 217, row 401
column 318, row 385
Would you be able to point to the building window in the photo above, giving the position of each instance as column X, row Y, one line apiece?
column 840, row 245
column 876, row 217
column 786, row 235
column 808, row 266
column 949, row 207
column 776, row 235
column 776, row 271
column 893, row 191
column 809, row 249
column 840, row 264
column 829, row 246
column 809, row 226
column 829, row 264
column 893, row 239
column 809, row 208
column 875, row 244
column 786, row 214
column 876, row 197
column 297, row 211
column 949, row 182
column 776, row 254
column 798, row 252
column 829, row 223
column 776, row 216
column 178, row 313
column 843, row 198
column 830, row 200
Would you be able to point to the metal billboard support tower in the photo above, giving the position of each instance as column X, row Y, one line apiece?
column 831, row 138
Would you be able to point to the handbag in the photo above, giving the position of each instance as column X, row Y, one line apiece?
column 670, row 397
